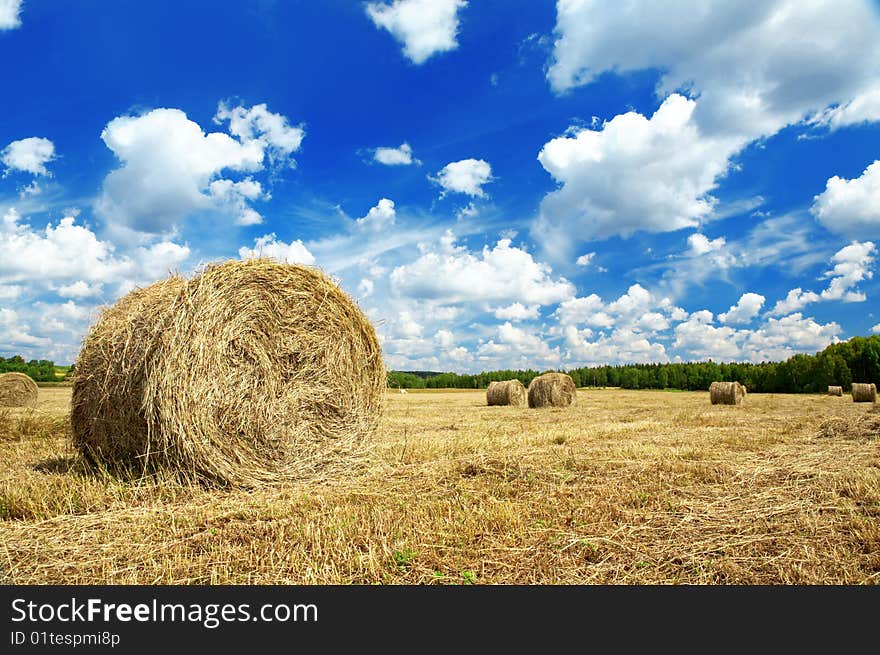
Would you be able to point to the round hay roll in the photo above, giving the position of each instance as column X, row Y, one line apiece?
column 863, row 392
column 251, row 372
column 552, row 390
column 508, row 392
column 726, row 393
column 835, row 391
column 17, row 390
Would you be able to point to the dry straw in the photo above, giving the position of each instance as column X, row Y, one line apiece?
column 552, row 390
column 864, row 426
column 17, row 390
column 508, row 392
column 863, row 392
column 835, row 391
column 251, row 372
column 726, row 393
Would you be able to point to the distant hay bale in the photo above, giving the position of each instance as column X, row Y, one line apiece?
column 552, row 390
column 726, row 393
column 507, row 392
column 250, row 372
column 863, row 392
column 835, row 391
column 17, row 390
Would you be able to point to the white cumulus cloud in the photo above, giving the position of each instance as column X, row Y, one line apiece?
column 852, row 265
column 11, row 291
column 747, row 307
column 589, row 310
column 379, row 218
column 452, row 274
column 234, row 196
column 66, row 260
column 10, row 14
column 168, row 163
column 796, row 299
column 406, row 326
column 700, row 244
column 268, row 245
column 466, row 176
column 864, row 108
column 517, row 312
column 29, row 155
column 68, row 253
column 781, row 338
column 851, row 207
column 444, row 338
column 787, row 241
column 15, row 334
column 424, row 27
column 775, row 340
column 756, row 66
column 752, row 69
column 703, row 340
column 519, row 347
column 257, row 124
column 79, row 289
column 638, row 309
column 621, row 346
column 159, row 259
column 400, row 156
column 170, row 168
column 632, row 173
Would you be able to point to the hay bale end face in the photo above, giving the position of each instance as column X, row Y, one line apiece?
column 507, row 392
column 17, row 390
column 552, row 390
column 251, row 372
column 863, row 392
column 835, row 391
column 726, row 393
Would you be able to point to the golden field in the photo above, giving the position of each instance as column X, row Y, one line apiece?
column 633, row 487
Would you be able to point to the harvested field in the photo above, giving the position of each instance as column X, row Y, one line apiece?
column 634, row 487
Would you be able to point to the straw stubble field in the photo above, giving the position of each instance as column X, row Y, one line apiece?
column 625, row 487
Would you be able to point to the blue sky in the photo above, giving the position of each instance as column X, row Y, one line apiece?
column 497, row 184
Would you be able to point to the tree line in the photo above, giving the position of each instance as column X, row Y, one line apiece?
column 856, row 360
column 841, row 364
column 41, row 370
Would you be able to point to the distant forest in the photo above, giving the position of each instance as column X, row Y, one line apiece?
column 40, row 370
column 856, row 360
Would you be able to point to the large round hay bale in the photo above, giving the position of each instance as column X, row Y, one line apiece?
column 726, row 393
column 863, row 392
column 552, row 390
column 251, row 372
column 17, row 390
column 507, row 392
column 835, row 391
